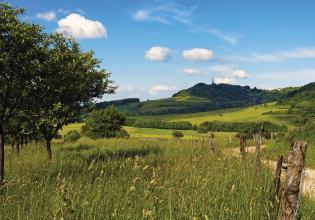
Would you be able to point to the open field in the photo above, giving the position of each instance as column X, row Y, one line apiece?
column 268, row 112
column 136, row 179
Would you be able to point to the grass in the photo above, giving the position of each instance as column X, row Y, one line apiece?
column 268, row 112
column 135, row 179
column 282, row 147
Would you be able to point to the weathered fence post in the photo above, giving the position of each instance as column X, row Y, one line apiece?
column 257, row 139
column 278, row 176
column 210, row 142
column 296, row 163
column 242, row 145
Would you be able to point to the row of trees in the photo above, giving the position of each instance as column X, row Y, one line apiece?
column 45, row 81
column 147, row 123
column 247, row 128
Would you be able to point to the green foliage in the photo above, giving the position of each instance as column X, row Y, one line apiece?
column 181, row 125
column 72, row 136
column 177, row 134
column 105, row 123
column 246, row 127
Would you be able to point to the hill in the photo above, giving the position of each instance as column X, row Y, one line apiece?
column 199, row 98
column 301, row 98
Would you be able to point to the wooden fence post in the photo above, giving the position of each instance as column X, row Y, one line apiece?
column 296, row 163
column 257, row 139
column 242, row 145
column 210, row 142
column 278, row 175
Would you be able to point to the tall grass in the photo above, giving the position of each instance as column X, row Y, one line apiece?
column 134, row 179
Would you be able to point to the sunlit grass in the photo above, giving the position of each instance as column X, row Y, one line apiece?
column 135, row 179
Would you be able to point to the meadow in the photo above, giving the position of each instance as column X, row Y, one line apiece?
column 272, row 112
column 136, row 179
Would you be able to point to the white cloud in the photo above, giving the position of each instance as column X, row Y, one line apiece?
column 303, row 53
column 78, row 26
column 48, row 16
column 241, row 74
column 157, row 53
column 141, row 15
column 225, row 80
column 192, row 71
column 231, row 39
column 165, row 13
column 198, row 54
column 161, row 88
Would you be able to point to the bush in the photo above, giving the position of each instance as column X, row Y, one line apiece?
column 122, row 134
column 177, row 134
column 105, row 123
column 72, row 136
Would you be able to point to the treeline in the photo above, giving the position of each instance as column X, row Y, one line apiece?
column 101, row 105
column 246, row 128
column 181, row 125
column 241, row 126
column 46, row 80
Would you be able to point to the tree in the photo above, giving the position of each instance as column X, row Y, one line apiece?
column 105, row 123
column 177, row 134
column 21, row 55
column 72, row 79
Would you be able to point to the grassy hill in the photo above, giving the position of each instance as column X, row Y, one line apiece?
column 272, row 112
column 301, row 98
column 199, row 98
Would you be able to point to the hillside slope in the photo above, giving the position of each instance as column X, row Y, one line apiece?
column 301, row 99
column 199, row 98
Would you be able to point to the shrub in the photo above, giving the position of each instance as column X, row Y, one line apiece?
column 177, row 134
column 72, row 136
column 105, row 123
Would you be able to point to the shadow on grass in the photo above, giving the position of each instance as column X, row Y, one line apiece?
column 104, row 155
column 78, row 148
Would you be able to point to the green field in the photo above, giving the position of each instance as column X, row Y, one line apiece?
column 268, row 112
column 136, row 179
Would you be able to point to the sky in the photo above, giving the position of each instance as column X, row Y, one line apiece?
column 153, row 48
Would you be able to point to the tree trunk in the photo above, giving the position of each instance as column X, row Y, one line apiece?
column 48, row 147
column 1, row 156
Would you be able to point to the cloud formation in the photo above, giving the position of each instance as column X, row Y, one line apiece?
column 48, row 16
column 231, row 39
column 161, row 88
column 157, row 53
column 225, row 80
column 240, row 74
column 198, row 54
column 77, row 26
column 166, row 13
column 192, row 71
column 303, row 53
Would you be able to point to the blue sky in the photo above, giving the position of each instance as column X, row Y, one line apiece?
column 154, row 48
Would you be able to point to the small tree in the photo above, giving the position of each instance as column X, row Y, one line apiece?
column 105, row 123
column 71, row 80
column 21, row 56
column 177, row 134
column 72, row 136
